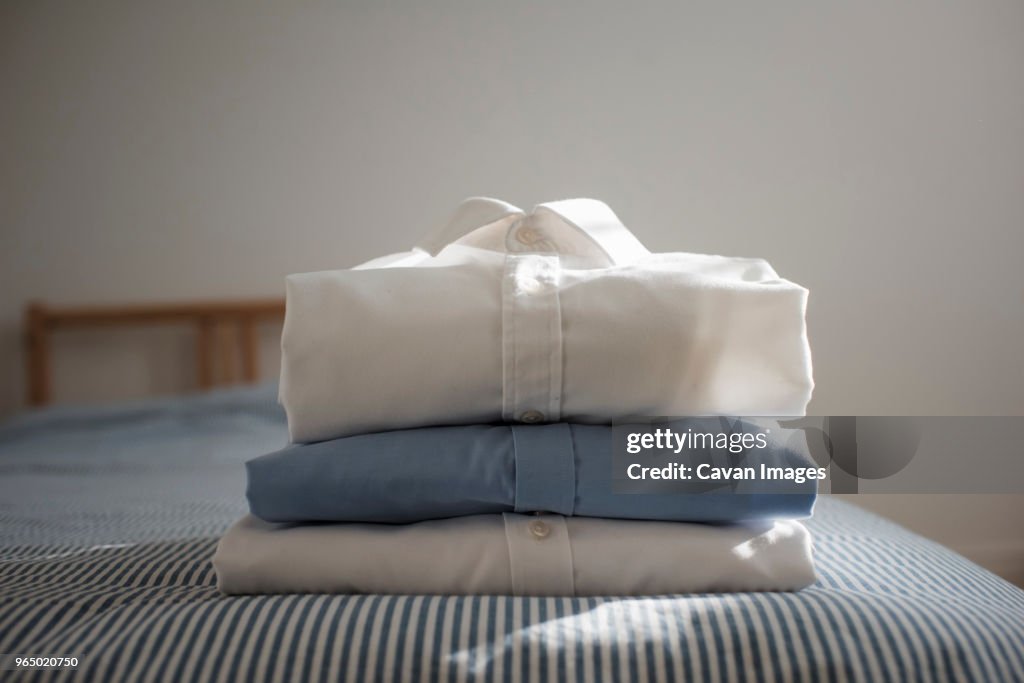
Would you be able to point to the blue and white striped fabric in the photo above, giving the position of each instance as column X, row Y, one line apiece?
column 108, row 520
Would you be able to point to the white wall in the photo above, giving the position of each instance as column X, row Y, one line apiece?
column 872, row 151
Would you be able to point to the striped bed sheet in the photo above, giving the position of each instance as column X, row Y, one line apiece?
column 109, row 518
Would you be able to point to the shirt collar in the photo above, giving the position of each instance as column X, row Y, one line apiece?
column 585, row 233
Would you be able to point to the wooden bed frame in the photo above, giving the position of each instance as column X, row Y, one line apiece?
column 227, row 340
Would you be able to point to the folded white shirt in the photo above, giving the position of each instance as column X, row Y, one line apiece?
column 512, row 554
column 560, row 314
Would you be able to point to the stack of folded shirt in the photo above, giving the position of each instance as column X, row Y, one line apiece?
column 450, row 413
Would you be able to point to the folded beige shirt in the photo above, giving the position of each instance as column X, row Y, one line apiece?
column 512, row 554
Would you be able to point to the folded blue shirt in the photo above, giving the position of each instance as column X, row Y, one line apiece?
column 435, row 472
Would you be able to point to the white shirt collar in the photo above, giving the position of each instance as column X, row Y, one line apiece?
column 586, row 233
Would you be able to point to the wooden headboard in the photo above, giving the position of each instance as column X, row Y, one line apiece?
column 227, row 343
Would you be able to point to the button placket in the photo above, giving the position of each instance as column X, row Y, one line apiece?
column 545, row 465
column 532, row 339
column 540, row 557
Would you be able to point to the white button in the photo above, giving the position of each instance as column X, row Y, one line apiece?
column 539, row 529
column 531, row 285
column 527, row 235
column 531, row 416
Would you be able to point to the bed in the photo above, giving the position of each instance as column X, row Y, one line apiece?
column 109, row 517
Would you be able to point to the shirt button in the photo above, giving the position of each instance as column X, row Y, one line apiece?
column 539, row 529
column 531, row 416
column 531, row 285
column 526, row 235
